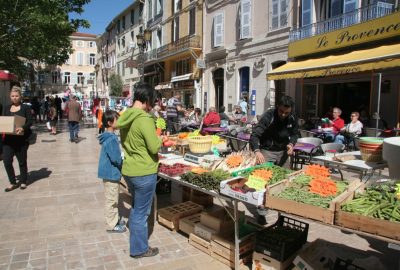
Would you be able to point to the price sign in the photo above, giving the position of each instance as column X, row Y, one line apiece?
column 256, row 183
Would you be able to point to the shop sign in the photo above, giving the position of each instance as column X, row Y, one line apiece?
column 376, row 29
column 253, row 102
column 184, row 84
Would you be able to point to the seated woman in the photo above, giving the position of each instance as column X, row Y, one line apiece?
column 224, row 117
column 238, row 114
column 351, row 130
column 211, row 118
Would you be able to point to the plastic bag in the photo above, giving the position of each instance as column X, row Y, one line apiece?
column 48, row 125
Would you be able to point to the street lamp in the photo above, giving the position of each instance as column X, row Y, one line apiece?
column 96, row 69
column 141, row 40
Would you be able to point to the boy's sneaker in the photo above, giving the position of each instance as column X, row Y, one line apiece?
column 118, row 229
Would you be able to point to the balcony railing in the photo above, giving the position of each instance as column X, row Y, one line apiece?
column 150, row 55
column 360, row 15
column 180, row 45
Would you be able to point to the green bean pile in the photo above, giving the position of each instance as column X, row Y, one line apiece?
column 375, row 202
column 298, row 192
column 208, row 180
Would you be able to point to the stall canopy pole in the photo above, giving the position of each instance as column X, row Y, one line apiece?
column 379, row 102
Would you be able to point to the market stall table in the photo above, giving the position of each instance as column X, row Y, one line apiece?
column 323, row 133
column 215, row 130
column 215, row 194
column 364, row 168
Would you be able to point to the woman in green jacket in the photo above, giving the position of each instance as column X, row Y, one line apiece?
column 140, row 144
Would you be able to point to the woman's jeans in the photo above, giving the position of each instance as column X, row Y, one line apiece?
column 21, row 152
column 142, row 189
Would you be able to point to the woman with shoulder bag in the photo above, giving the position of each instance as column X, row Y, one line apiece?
column 17, row 145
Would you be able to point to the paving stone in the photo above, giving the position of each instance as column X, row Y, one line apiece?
column 38, row 262
column 56, row 266
column 20, row 257
column 7, row 251
column 38, row 255
column 5, row 259
column 18, row 265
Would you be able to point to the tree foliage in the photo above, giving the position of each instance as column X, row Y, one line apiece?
column 115, row 82
column 37, row 32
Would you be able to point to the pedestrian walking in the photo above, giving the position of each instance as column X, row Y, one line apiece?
column 74, row 113
column 140, row 167
column 17, row 145
column 110, row 163
column 53, row 116
column 173, row 107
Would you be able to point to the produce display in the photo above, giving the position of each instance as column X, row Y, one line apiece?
column 313, row 187
column 167, row 142
column 270, row 173
column 378, row 201
column 174, row 170
column 207, row 180
column 236, row 161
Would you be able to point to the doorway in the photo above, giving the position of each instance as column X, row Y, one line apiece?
column 218, row 77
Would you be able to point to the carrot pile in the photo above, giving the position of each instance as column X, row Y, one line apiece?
column 183, row 135
column 317, row 170
column 234, row 161
column 320, row 183
column 263, row 174
column 199, row 170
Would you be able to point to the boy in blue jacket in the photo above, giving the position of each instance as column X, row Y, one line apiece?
column 110, row 163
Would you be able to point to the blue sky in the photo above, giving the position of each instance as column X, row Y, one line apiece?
column 100, row 13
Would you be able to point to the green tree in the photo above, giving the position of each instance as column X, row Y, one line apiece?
column 33, row 32
column 115, row 82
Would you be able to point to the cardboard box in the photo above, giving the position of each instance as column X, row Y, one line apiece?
column 218, row 220
column 255, row 198
column 8, row 124
column 321, row 255
column 265, row 262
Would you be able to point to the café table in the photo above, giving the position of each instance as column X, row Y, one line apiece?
column 323, row 133
column 363, row 168
column 214, row 130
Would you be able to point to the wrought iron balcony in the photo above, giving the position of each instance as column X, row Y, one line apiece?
column 360, row 15
column 150, row 55
column 180, row 45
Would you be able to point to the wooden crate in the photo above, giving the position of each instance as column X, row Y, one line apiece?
column 198, row 197
column 262, row 261
column 325, row 215
column 246, row 258
column 200, row 243
column 225, row 247
column 187, row 224
column 384, row 228
column 170, row 216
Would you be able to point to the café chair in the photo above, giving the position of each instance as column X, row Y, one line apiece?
column 300, row 158
column 332, row 147
column 372, row 132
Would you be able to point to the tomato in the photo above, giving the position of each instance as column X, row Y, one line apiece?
column 168, row 143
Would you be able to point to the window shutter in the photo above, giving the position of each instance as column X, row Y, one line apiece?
column 283, row 13
column 218, row 29
column 275, row 14
column 245, row 19
column 74, row 78
column 88, row 59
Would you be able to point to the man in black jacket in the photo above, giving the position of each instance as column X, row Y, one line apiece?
column 273, row 139
column 276, row 133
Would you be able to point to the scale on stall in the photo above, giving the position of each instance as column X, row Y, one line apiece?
column 200, row 158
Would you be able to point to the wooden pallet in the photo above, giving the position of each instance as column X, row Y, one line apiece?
column 200, row 243
column 384, row 228
column 187, row 224
column 170, row 216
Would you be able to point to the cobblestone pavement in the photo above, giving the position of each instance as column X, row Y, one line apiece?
column 58, row 222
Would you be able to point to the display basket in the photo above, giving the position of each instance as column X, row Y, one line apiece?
column 282, row 239
column 371, row 155
column 200, row 144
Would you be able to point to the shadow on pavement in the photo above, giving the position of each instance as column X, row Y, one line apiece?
column 37, row 175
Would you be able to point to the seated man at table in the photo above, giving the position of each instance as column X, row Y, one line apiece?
column 211, row 118
column 351, row 130
column 336, row 123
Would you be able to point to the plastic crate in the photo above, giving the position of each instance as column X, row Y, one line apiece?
column 282, row 239
column 241, row 172
column 341, row 264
